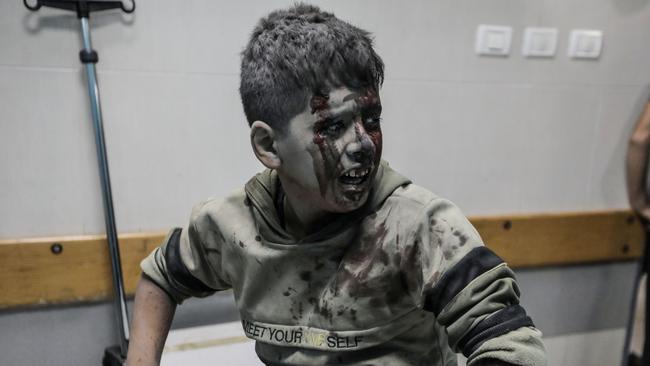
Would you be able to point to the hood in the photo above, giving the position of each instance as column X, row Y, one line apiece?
column 263, row 191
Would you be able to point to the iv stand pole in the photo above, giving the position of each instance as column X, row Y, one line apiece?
column 88, row 56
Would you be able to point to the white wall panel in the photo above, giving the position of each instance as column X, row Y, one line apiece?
column 28, row 39
column 418, row 121
column 434, row 55
column 503, row 134
column 558, row 133
column 491, row 142
column 174, row 141
column 621, row 109
column 49, row 181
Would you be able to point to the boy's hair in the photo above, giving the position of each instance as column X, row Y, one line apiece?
column 296, row 53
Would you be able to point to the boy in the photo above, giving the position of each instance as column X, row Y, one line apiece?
column 333, row 257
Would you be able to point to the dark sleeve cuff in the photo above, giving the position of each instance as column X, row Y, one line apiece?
column 503, row 321
column 177, row 269
column 478, row 261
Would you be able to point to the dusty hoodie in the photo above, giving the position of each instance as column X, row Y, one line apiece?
column 404, row 280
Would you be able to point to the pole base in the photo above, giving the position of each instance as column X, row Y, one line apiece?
column 113, row 357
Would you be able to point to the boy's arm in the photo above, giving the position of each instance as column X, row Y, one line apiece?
column 153, row 314
column 636, row 164
column 186, row 264
column 189, row 261
column 472, row 292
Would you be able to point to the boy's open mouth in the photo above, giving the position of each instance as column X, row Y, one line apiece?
column 355, row 176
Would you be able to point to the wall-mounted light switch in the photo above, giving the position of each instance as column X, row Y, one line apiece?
column 585, row 43
column 539, row 42
column 493, row 40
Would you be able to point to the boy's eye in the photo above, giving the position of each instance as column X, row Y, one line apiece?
column 372, row 123
column 334, row 128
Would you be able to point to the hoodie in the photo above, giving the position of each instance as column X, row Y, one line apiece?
column 404, row 280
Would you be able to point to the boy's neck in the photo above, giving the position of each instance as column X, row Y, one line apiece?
column 300, row 217
column 301, row 220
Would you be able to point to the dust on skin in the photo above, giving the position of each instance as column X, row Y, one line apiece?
column 319, row 105
column 327, row 150
column 370, row 103
column 329, row 158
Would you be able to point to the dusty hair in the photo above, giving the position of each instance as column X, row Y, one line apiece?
column 299, row 52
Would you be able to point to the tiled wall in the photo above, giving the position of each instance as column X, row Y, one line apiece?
column 496, row 135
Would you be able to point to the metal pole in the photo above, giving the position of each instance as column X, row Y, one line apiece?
column 109, row 216
column 630, row 319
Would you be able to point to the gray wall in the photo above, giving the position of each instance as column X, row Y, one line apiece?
column 495, row 135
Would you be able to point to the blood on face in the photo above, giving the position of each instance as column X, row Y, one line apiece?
column 365, row 107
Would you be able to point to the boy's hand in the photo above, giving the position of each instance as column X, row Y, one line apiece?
column 153, row 314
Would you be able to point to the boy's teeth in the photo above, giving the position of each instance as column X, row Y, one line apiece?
column 357, row 173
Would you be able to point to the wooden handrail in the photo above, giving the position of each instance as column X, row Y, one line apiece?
column 38, row 271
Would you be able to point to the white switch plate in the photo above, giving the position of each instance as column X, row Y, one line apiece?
column 493, row 40
column 540, row 42
column 585, row 43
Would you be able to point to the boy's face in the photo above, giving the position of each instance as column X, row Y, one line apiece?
column 330, row 152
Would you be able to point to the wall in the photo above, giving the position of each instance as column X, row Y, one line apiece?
column 495, row 135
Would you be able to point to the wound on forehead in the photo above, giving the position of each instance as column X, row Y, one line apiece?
column 319, row 102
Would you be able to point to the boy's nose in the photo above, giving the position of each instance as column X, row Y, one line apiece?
column 360, row 149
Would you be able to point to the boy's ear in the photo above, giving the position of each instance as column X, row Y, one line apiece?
column 263, row 141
